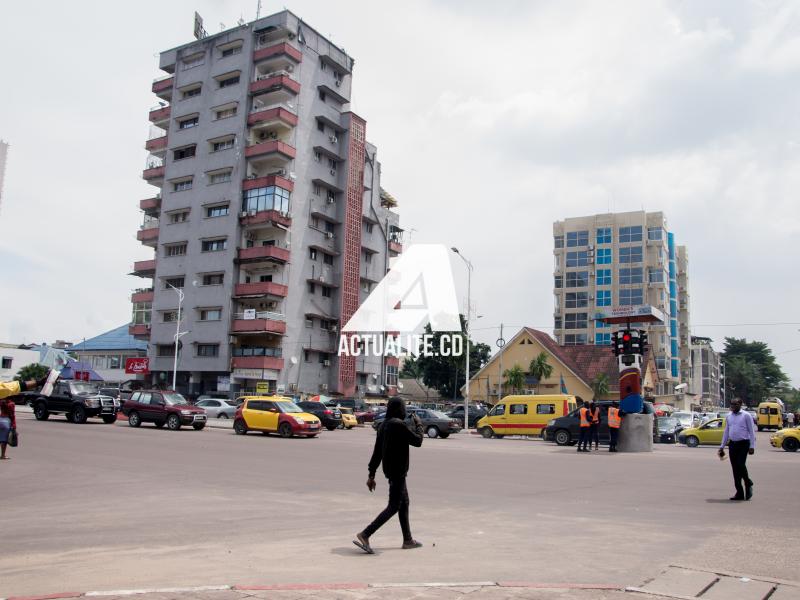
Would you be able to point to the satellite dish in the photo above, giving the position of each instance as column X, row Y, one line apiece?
column 374, row 376
column 400, row 385
column 293, row 360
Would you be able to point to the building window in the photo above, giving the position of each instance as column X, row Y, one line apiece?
column 631, row 296
column 603, row 277
column 208, row 350
column 558, row 281
column 558, row 241
column 224, row 113
column 632, row 254
column 166, row 350
column 630, row 275
column 175, row 249
column 312, row 288
column 321, row 126
column 217, row 245
column 220, row 177
column 182, row 186
column 602, row 339
column 179, row 217
column 577, row 279
column 603, row 235
column 630, row 234
column 577, row 258
column 318, row 156
column 661, row 363
column 213, row 278
column 229, row 81
column 598, row 323
column 603, row 298
column 141, row 313
column 312, row 253
column 604, row 256
column 327, row 259
column 266, row 198
column 331, row 196
column 655, row 233
column 231, row 51
column 655, row 275
column 557, row 322
column 367, row 227
column 7, row 360
column 391, row 375
column 188, row 123
column 176, row 282
column 326, row 292
column 367, row 257
column 331, row 164
column 211, row 314
column 222, row 145
column 322, row 357
column 575, row 320
column 576, row 300
column 181, row 153
column 192, row 61
column 217, row 211
column 307, row 355
column 329, row 227
column 577, row 238
column 309, row 322
column 574, row 339
column 191, row 92
column 322, row 95
column 169, row 316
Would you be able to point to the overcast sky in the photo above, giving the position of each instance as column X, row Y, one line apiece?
column 492, row 120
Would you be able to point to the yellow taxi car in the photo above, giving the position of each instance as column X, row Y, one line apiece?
column 348, row 418
column 708, row 433
column 274, row 414
column 788, row 439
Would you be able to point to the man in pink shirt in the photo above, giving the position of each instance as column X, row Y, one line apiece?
column 740, row 437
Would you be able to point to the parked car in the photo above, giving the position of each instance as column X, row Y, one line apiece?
column 705, row 417
column 565, row 430
column 217, row 408
column 476, row 413
column 364, row 415
column 668, row 429
column 162, row 408
column 524, row 415
column 275, row 414
column 77, row 401
column 708, row 433
column 330, row 417
column 687, row 419
column 348, row 418
column 788, row 439
column 434, row 422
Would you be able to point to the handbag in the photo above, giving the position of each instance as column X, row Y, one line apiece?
column 13, row 438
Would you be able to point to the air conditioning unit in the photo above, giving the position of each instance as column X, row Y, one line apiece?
column 329, row 235
column 243, row 214
column 331, row 200
column 252, row 213
column 333, row 329
column 338, row 82
column 333, row 139
column 326, row 363
column 290, row 68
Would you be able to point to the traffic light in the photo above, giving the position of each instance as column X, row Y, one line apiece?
column 643, row 341
column 616, row 346
column 627, row 340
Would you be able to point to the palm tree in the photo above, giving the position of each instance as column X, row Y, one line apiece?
column 600, row 386
column 540, row 369
column 515, row 378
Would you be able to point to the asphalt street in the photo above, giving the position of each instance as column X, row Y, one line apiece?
column 104, row 507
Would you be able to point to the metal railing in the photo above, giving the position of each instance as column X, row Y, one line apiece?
column 272, row 316
column 284, row 105
column 149, row 223
column 258, row 351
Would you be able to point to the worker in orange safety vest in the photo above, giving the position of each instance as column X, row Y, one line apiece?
column 585, row 425
column 614, row 421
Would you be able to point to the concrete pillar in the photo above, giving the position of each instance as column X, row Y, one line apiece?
column 636, row 433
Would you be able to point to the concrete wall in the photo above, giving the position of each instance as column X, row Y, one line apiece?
column 19, row 358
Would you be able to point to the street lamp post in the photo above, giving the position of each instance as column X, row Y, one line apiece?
column 178, row 335
column 466, row 329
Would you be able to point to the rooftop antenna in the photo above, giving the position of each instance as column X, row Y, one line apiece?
column 258, row 11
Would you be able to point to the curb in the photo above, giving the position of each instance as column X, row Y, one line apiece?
column 321, row 587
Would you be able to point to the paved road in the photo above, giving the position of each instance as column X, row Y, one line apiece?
column 94, row 506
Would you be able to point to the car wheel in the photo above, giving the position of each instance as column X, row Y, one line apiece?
column 498, row 436
column 312, row 436
column 79, row 415
column 487, row 432
column 444, row 436
column 433, row 432
column 692, row 441
column 790, row 444
column 174, row 422
column 108, row 419
column 285, row 430
column 134, row 420
column 240, row 427
column 329, row 427
column 223, row 416
column 198, row 426
column 760, row 428
column 562, row 437
column 159, row 424
column 40, row 411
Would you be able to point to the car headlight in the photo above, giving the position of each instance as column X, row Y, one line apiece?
column 92, row 402
column 300, row 421
column 186, row 412
column 551, row 422
column 116, row 403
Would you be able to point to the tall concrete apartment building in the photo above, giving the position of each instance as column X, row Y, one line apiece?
column 270, row 216
column 623, row 259
column 705, row 369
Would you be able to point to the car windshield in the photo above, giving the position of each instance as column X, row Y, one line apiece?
column 667, row 421
column 288, row 407
column 174, row 399
column 438, row 414
column 83, row 388
column 683, row 418
column 347, row 411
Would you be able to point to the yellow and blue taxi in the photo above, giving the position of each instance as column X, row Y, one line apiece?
column 348, row 418
column 709, row 433
column 274, row 414
column 788, row 439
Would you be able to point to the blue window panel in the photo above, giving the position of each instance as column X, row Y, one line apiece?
column 603, row 235
column 600, row 324
column 630, row 234
column 603, row 277
column 632, row 254
column 604, row 256
column 577, row 258
column 631, row 297
column 603, row 298
column 601, row 339
column 577, row 238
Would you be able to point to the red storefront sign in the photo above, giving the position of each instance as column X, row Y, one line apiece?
column 137, row 366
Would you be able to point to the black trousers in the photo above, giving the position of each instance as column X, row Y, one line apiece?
column 594, row 431
column 613, row 433
column 584, row 438
column 738, row 454
column 398, row 503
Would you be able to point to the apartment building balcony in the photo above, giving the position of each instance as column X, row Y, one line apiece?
column 150, row 206
column 263, row 254
column 157, row 145
column 395, row 247
column 333, row 92
column 272, row 115
column 265, row 217
column 263, row 323
column 252, row 183
column 162, row 87
column 274, row 82
column 143, row 295
column 144, row 268
column 148, row 233
column 274, row 150
column 257, row 362
column 277, row 50
column 159, row 116
column 141, row 330
column 154, row 174
column 260, row 289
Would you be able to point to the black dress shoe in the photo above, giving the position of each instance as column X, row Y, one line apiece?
column 736, row 497
column 748, row 493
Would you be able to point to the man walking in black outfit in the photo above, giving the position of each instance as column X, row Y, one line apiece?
column 740, row 437
column 391, row 448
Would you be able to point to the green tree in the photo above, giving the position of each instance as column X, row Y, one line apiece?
column 540, row 369
column 514, row 378
column 751, row 371
column 32, row 371
column 600, row 386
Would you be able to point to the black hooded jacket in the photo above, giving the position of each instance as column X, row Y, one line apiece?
column 392, row 442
